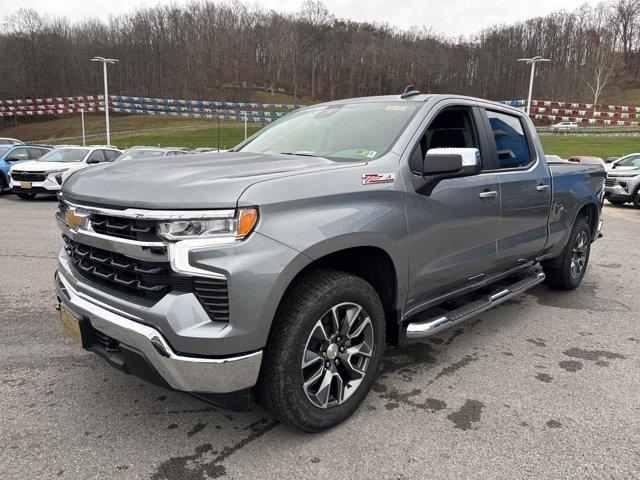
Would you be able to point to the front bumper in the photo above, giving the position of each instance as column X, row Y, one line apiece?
column 194, row 374
column 49, row 185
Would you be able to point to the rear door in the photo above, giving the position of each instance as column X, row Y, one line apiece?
column 452, row 230
column 525, row 189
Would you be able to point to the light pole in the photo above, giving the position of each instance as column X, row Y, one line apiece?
column 533, row 62
column 84, row 141
column 104, row 61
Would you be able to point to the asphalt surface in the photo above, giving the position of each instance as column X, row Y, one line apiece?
column 545, row 386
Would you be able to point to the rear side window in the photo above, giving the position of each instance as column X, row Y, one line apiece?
column 110, row 155
column 36, row 152
column 511, row 142
column 97, row 155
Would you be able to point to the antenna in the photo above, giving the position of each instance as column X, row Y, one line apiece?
column 410, row 91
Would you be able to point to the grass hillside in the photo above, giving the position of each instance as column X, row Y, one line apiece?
column 596, row 145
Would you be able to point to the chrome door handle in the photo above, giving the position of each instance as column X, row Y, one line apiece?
column 542, row 187
column 489, row 194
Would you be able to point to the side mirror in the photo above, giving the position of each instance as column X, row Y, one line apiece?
column 92, row 161
column 443, row 163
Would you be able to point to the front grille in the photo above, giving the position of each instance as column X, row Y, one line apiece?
column 609, row 182
column 151, row 280
column 130, row 228
column 29, row 176
column 148, row 280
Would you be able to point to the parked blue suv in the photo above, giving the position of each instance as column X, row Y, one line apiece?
column 12, row 154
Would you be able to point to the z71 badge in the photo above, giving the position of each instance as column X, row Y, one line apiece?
column 371, row 178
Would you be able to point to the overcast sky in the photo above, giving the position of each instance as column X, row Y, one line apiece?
column 451, row 17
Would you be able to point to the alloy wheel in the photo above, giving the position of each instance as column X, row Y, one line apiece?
column 337, row 355
column 579, row 257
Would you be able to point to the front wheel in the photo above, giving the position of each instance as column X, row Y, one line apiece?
column 26, row 196
column 636, row 198
column 324, row 350
column 574, row 259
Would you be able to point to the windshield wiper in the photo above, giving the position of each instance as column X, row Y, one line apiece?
column 301, row 154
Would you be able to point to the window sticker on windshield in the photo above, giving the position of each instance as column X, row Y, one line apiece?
column 396, row 108
column 363, row 152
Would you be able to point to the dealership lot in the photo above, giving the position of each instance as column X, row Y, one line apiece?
column 544, row 386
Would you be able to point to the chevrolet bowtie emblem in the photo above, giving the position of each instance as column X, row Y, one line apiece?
column 74, row 220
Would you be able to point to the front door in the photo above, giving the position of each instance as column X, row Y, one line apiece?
column 453, row 229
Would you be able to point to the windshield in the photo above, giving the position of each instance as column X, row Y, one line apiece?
column 141, row 153
column 360, row 131
column 65, row 155
column 630, row 161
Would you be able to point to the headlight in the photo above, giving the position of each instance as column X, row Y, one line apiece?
column 236, row 228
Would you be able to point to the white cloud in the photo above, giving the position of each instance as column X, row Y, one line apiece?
column 451, row 17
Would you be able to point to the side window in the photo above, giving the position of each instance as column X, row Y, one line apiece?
column 19, row 154
column 96, row 156
column 511, row 142
column 36, row 153
column 110, row 155
column 452, row 128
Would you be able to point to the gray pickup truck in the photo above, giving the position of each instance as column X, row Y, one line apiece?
column 278, row 271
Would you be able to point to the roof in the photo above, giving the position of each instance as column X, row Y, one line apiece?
column 420, row 97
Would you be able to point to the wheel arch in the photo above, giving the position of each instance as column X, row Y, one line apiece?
column 588, row 210
column 369, row 261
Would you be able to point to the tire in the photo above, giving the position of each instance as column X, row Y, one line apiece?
column 574, row 258
column 616, row 202
column 26, row 196
column 297, row 333
column 636, row 198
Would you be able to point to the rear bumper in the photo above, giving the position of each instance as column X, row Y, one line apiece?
column 144, row 344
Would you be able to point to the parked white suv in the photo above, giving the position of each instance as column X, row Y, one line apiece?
column 565, row 126
column 45, row 175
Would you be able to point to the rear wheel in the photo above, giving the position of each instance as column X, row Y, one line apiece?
column 324, row 350
column 575, row 258
column 26, row 196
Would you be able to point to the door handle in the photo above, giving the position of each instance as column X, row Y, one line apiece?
column 542, row 187
column 489, row 194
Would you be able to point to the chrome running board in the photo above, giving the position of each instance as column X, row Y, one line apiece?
column 432, row 326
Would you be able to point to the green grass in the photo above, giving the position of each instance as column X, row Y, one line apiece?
column 230, row 135
column 595, row 145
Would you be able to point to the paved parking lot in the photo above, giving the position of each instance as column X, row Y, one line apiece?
column 542, row 387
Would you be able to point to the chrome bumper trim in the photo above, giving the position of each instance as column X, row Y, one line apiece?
column 189, row 374
column 156, row 214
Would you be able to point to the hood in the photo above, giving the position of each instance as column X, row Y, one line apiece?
column 201, row 181
column 35, row 166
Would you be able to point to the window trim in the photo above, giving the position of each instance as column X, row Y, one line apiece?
column 533, row 153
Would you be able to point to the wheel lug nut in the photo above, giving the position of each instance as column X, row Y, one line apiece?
column 342, row 349
column 338, row 339
column 327, row 365
column 337, row 361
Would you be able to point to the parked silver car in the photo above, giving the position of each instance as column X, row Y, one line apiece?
column 623, row 180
